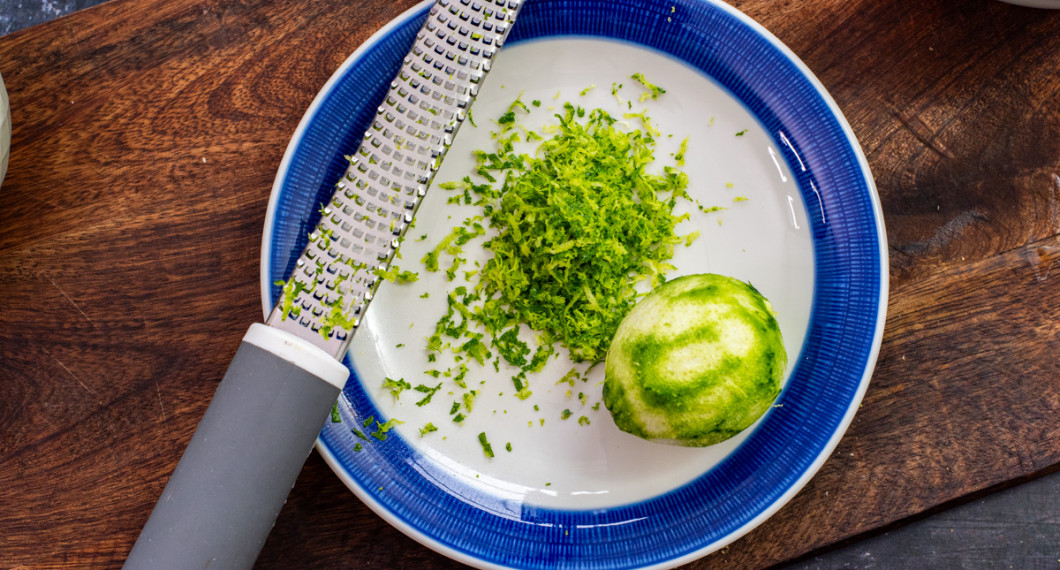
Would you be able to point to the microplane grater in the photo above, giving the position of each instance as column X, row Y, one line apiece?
column 375, row 201
column 229, row 486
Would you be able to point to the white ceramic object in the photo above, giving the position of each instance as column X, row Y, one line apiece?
column 5, row 130
column 764, row 240
column 809, row 235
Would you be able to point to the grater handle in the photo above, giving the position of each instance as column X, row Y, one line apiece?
column 229, row 486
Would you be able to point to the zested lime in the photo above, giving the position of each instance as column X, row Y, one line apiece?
column 695, row 362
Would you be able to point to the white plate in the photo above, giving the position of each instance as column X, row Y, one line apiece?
column 809, row 236
column 764, row 240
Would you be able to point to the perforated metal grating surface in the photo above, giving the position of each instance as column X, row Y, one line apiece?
column 376, row 199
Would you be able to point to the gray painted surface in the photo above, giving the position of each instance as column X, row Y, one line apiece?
column 18, row 14
column 1016, row 528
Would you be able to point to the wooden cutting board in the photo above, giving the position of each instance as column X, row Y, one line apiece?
column 146, row 138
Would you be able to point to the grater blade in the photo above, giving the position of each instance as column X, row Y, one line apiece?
column 335, row 278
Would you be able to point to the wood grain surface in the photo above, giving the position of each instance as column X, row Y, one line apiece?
column 146, row 138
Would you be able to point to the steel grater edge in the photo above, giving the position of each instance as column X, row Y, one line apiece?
column 335, row 278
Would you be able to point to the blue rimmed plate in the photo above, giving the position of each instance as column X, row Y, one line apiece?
column 787, row 202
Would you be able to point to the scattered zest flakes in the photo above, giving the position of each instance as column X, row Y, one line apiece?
column 487, row 449
column 396, row 387
column 394, row 274
column 424, row 389
column 653, row 90
column 382, row 429
column 679, row 158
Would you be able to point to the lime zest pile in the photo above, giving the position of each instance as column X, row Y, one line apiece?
column 576, row 231
column 578, row 226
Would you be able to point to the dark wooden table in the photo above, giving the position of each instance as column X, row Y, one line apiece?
column 146, row 137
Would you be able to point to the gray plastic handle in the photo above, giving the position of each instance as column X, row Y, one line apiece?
column 234, row 477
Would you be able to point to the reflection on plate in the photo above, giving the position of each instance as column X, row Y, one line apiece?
column 806, row 231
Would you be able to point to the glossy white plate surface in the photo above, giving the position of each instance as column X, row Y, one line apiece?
column 801, row 221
